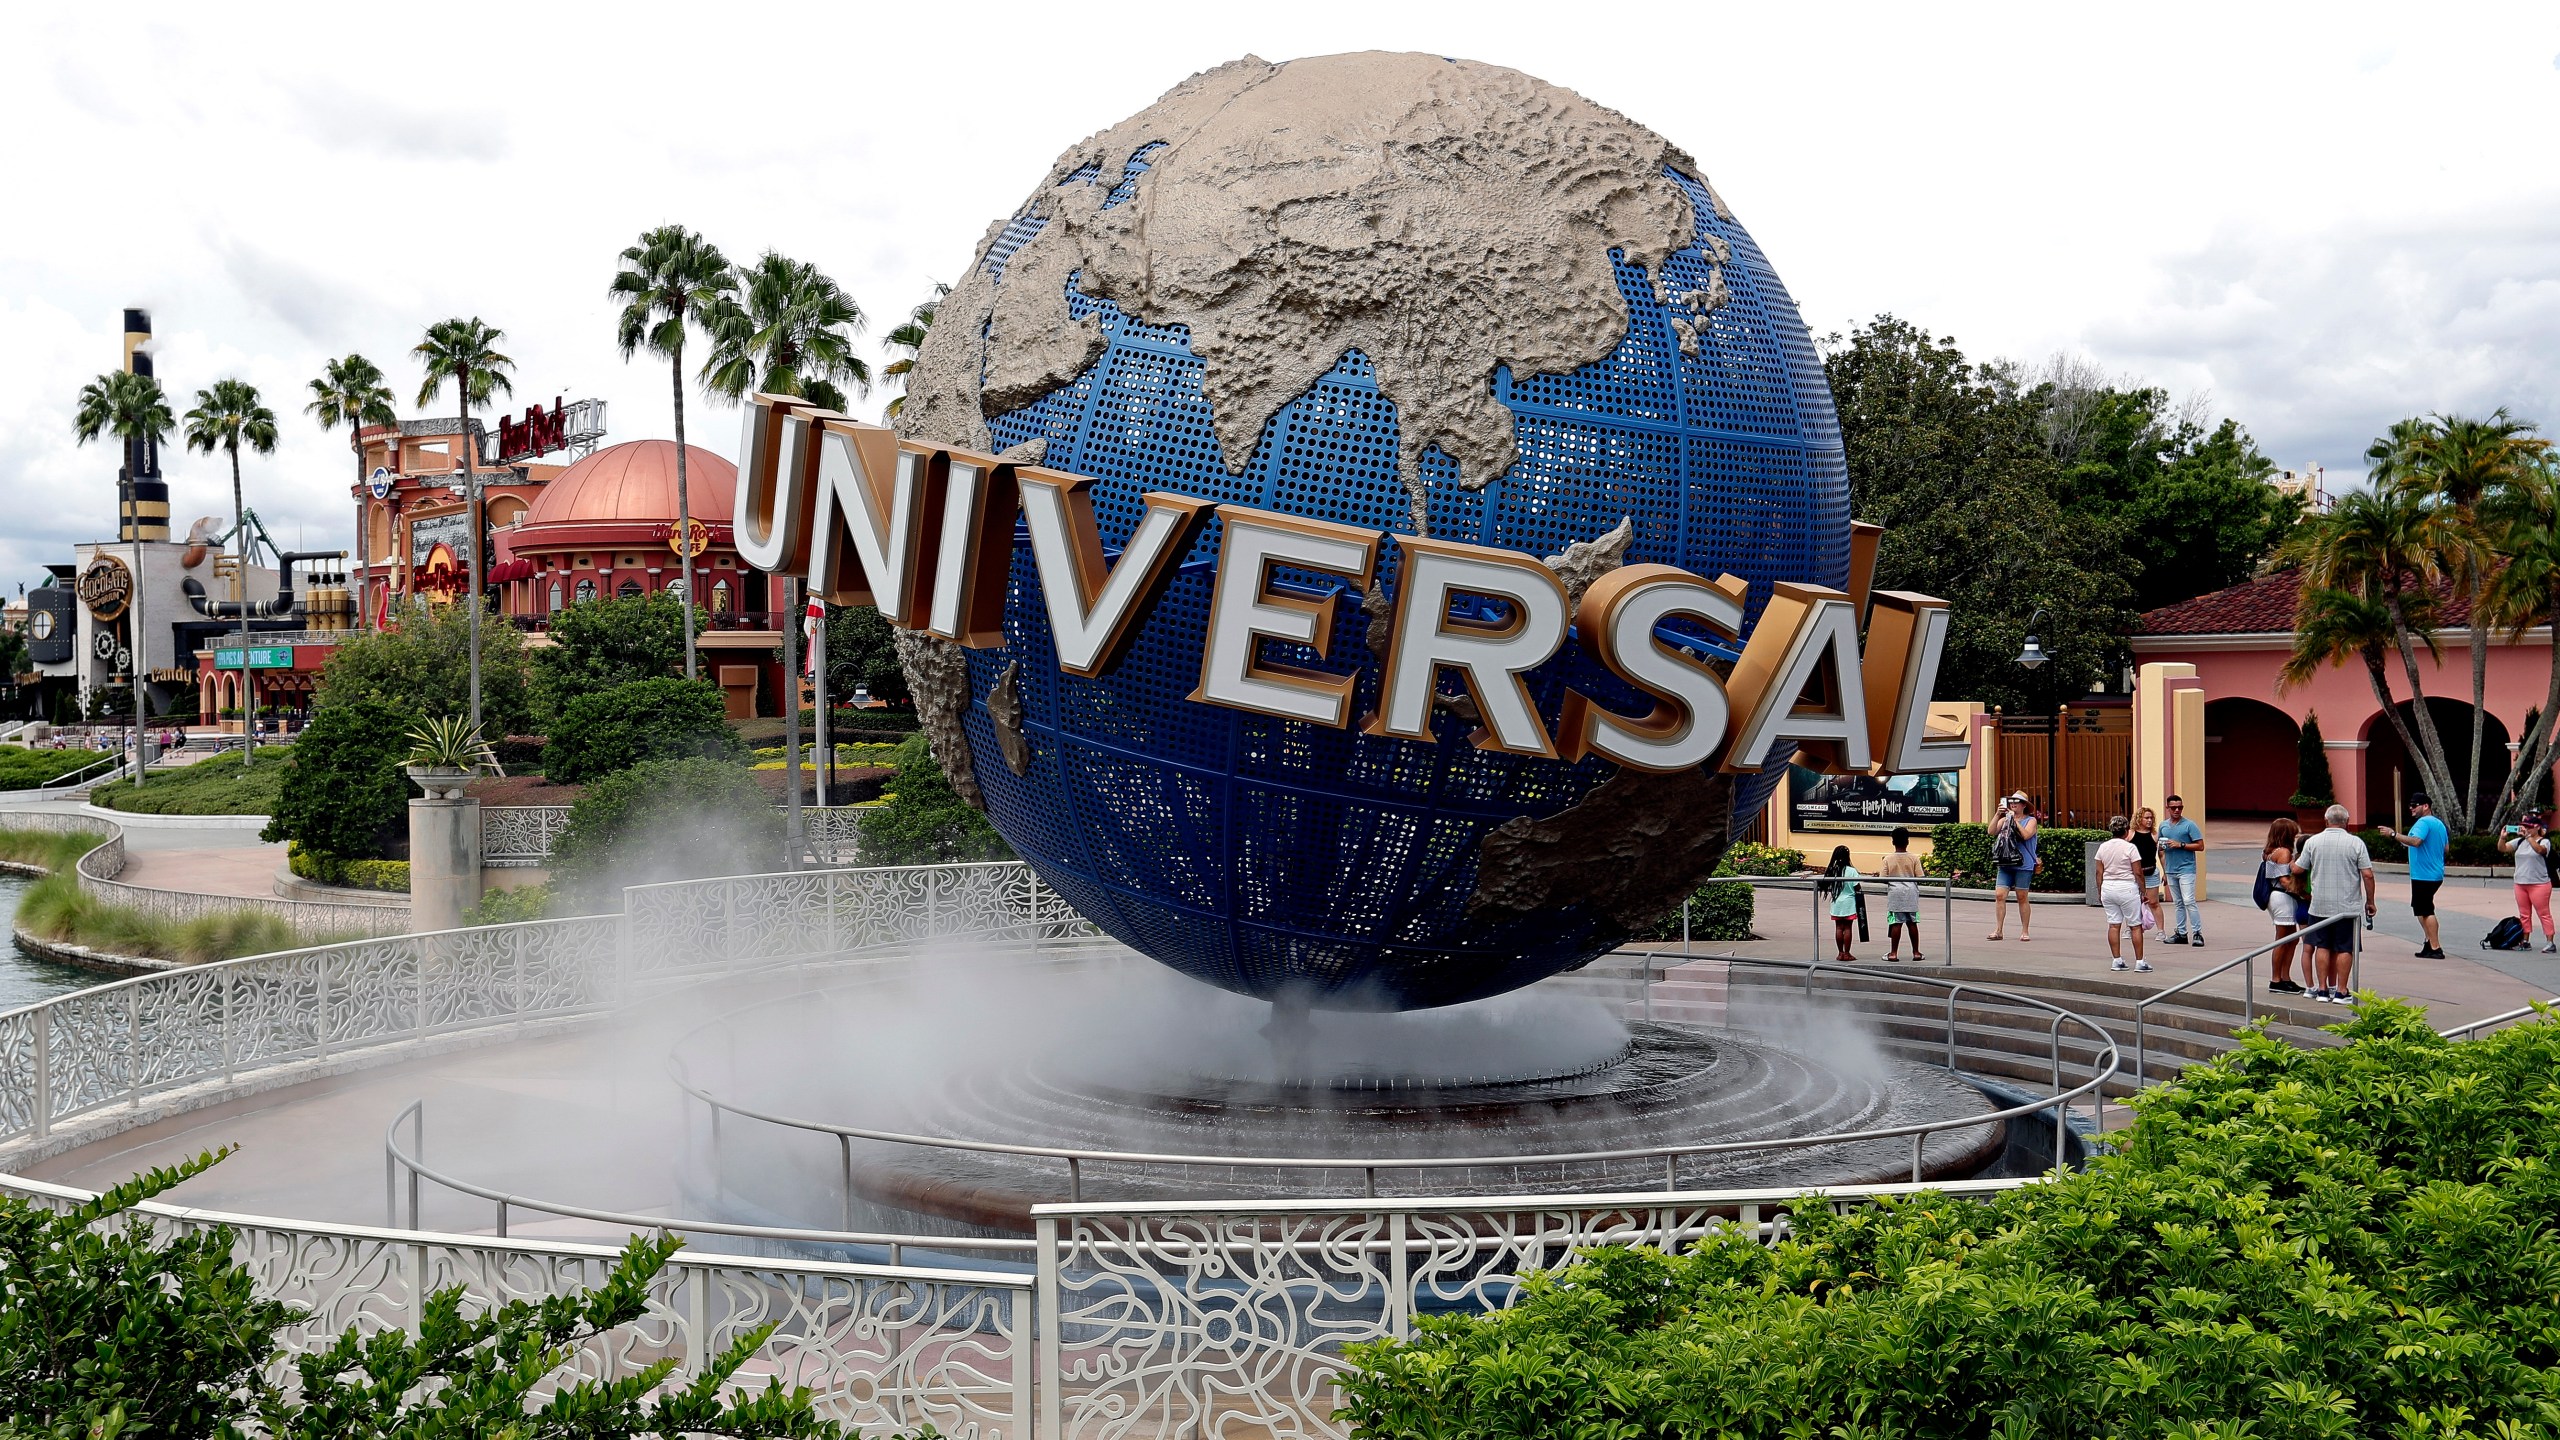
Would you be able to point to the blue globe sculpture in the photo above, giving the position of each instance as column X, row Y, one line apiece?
column 1323, row 867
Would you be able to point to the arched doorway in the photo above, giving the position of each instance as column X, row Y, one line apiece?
column 2251, row 756
column 2389, row 778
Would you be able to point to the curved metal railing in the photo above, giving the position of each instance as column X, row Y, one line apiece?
column 1075, row 1158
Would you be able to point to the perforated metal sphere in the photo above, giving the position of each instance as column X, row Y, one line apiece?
column 1268, row 857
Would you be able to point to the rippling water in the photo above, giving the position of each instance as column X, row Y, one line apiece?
column 25, row 978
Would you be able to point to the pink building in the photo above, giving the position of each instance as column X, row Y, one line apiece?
column 2237, row 640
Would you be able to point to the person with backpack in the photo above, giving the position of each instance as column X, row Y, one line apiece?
column 2277, row 893
column 2530, row 843
column 1840, row 882
column 2335, row 864
column 2013, row 862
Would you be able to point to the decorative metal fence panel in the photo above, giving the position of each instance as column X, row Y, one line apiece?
column 881, row 1346
column 1178, row 1320
column 515, row 836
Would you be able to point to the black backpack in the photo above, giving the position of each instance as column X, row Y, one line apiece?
column 2507, row 934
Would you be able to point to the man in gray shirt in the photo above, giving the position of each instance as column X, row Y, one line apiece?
column 2339, row 868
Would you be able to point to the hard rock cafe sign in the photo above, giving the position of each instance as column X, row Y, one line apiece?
column 106, row 587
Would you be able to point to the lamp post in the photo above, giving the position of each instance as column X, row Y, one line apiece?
column 2032, row 657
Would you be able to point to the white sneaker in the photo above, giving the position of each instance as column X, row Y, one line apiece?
column 2141, row 964
column 2116, row 965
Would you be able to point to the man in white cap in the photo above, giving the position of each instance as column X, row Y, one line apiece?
column 2013, row 864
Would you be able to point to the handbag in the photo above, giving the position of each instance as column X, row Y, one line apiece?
column 2263, row 893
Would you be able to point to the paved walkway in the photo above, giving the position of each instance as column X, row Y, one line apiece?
column 2071, row 940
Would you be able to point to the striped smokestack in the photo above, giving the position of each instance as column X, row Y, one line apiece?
column 142, row 499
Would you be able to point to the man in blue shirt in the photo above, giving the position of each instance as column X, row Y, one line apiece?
column 2181, row 840
column 2425, row 843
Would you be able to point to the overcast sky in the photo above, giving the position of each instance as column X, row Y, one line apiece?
column 2324, row 216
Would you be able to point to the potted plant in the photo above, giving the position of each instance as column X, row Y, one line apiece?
column 445, row 753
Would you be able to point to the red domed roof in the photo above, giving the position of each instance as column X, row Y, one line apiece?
column 635, row 483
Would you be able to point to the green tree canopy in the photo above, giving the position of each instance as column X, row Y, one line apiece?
column 423, row 668
column 598, row 644
column 861, row 650
column 1951, row 459
column 788, row 330
column 343, row 793
column 603, row 731
column 2193, row 505
column 925, row 821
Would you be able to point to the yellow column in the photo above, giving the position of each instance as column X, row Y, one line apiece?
column 2168, row 742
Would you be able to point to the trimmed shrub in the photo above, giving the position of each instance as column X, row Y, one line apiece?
column 924, row 821
column 1964, row 851
column 325, row 869
column 615, row 729
column 342, row 792
column 665, row 820
column 511, row 905
column 2351, row 1240
column 1750, row 857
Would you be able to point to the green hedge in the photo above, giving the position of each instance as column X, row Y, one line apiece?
column 27, row 769
column 609, row 730
column 325, row 869
column 1964, row 851
column 2292, row 1243
column 231, row 783
column 1725, row 912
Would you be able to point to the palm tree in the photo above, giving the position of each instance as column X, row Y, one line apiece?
column 2382, row 548
column 2522, row 519
column 908, row 342
column 464, row 353
column 135, row 410
column 352, row 392
column 227, row 417
column 2457, row 463
column 671, row 277
column 788, row 331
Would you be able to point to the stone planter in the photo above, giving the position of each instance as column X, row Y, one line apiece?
column 2312, row 818
column 439, row 782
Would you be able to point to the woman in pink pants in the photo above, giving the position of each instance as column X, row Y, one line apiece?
column 2531, row 845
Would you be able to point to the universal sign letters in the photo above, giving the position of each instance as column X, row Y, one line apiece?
column 925, row 534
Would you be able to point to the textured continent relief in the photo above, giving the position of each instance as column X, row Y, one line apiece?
column 1444, row 218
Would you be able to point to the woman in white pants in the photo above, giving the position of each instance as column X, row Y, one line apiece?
column 2120, row 891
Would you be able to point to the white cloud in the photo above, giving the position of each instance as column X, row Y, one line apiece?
column 2275, row 202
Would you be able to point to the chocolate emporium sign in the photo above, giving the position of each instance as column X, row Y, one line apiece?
column 925, row 534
